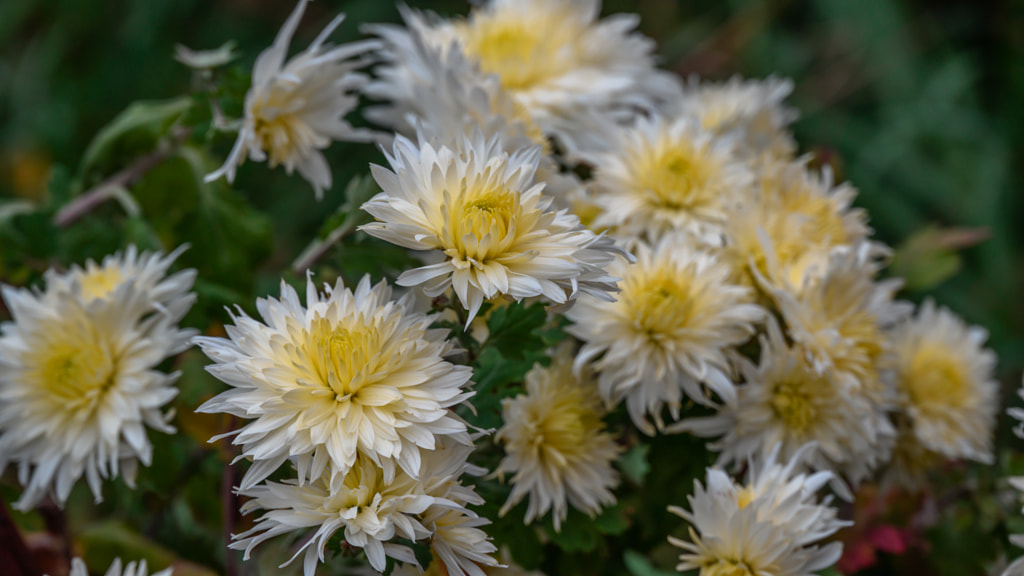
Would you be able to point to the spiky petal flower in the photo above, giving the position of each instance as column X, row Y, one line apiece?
column 78, row 568
column 784, row 403
column 669, row 332
column 296, row 108
column 751, row 110
column 556, row 445
column 553, row 56
column 349, row 373
column 369, row 507
column 78, row 378
column 770, row 525
column 667, row 174
column 1017, row 567
column 944, row 378
column 481, row 207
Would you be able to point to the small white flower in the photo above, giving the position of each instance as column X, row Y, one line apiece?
column 371, row 509
column 750, row 109
column 784, row 403
column 296, row 108
column 78, row 378
column 552, row 56
column 349, row 373
column 944, row 378
column 771, row 525
column 78, row 568
column 670, row 331
column 481, row 207
column 667, row 175
column 556, row 444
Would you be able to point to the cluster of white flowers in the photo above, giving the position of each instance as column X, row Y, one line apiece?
column 79, row 383
column 538, row 155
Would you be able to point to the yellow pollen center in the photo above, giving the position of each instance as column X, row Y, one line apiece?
column 792, row 403
column 524, row 53
column 660, row 304
column 935, row 377
column 677, row 179
column 481, row 225
column 343, row 357
column 100, row 282
column 723, row 567
column 744, row 498
column 563, row 430
column 74, row 372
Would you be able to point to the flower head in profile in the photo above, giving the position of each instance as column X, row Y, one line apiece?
column 784, row 404
column 372, row 509
column 481, row 208
column 670, row 331
column 667, row 174
column 770, row 525
column 349, row 373
column 78, row 568
column 295, row 108
column 944, row 377
column 556, row 445
column 78, row 378
column 749, row 109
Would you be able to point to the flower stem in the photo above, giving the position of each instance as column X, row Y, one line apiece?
column 15, row 557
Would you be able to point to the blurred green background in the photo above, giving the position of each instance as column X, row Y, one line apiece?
column 917, row 103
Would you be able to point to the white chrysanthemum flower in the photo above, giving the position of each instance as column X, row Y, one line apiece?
column 838, row 319
column 369, row 507
column 147, row 272
column 552, row 56
column 670, row 331
column 78, row 378
column 667, row 174
column 771, row 525
column 460, row 546
column 78, row 568
column 785, row 232
column 944, row 378
column 750, row 109
column 784, row 403
column 481, row 207
column 296, row 108
column 556, row 445
column 346, row 374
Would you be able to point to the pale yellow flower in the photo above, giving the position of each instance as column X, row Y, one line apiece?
column 499, row 234
column 556, row 445
column 78, row 378
column 770, row 525
column 670, row 332
column 944, row 378
column 348, row 374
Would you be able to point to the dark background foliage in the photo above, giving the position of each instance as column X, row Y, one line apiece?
column 917, row 103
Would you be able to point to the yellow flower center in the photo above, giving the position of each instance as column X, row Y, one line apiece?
column 362, row 482
column 564, row 429
column 935, row 377
column 78, row 369
column 660, row 302
column 343, row 357
column 723, row 567
column 744, row 498
column 481, row 224
column 99, row 283
column 676, row 177
column 793, row 403
column 524, row 52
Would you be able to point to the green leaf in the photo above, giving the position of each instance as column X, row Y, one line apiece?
column 634, row 463
column 135, row 130
column 639, row 565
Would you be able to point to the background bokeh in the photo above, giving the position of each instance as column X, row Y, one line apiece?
column 917, row 102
